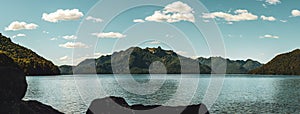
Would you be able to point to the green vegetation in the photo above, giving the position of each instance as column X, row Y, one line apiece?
column 29, row 61
column 138, row 61
column 233, row 67
column 283, row 64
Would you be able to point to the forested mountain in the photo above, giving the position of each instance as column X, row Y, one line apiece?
column 26, row 59
column 5, row 61
column 233, row 66
column 283, row 64
column 138, row 61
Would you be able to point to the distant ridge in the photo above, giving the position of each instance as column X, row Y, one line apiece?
column 27, row 60
column 233, row 66
column 139, row 61
column 283, row 64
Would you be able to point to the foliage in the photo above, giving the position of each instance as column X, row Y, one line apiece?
column 138, row 61
column 29, row 61
column 283, row 64
column 232, row 67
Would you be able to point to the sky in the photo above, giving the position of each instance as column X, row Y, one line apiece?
column 69, row 31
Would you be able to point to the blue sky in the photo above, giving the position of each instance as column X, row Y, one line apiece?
column 68, row 31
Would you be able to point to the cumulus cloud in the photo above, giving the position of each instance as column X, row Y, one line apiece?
column 109, row 35
column 154, row 42
column 181, row 52
column 273, row 2
column 94, row 19
column 14, row 26
column 62, row 15
column 19, row 35
column 64, row 58
column 45, row 32
column 295, row 13
column 71, row 37
column 139, row 21
column 73, row 45
column 284, row 21
column 239, row 15
column 269, row 36
column 53, row 39
column 265, row 18
column 174, row 12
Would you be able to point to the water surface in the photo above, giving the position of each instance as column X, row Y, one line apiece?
column 239, row 94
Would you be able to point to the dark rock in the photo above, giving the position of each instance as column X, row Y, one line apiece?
column 117, row 105
column 13, row 84
column 13, row 87
column 35, row 107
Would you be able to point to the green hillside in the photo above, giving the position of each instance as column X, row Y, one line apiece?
column 138, row 61
column 29, row 61
column 283, row 64
column 233, row 67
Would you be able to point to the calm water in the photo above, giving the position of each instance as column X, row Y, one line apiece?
column 239, row 94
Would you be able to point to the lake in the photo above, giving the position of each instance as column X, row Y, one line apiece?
column 239, row 93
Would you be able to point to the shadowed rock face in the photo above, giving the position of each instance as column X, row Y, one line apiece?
column 13, row 87
column 117, row 105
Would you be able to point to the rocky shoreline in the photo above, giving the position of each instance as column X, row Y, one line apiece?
column 118, row 105
column 13, row 87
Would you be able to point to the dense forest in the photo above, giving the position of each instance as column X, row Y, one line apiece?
column 138, row 61
column 26, row 59
column 283, row 64
column 232, row 66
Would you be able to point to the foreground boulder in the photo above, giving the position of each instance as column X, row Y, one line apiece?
column 117, row 105
column 13, row 87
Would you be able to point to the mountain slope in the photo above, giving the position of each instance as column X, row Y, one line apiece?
column 233, row 67
column 29, row 61
column 5, row 61
column 138, row 61
column 283, row 64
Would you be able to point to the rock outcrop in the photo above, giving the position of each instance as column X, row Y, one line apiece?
column 117, row 105
column 13, row 87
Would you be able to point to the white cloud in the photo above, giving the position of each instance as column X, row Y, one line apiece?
column 154, row 42
column 265, row 18
column 45, row 32
column 62, row 15
column 94, row 19
column 19, row 35
column 181, row 52
column 273, row 2
column 64, row 58
column 73, row 45
column 269, row 36
column 206, row 21
column 295, row 13
column 139, row 21
column 284, row 21
column 100, row 54
column 169, row 36
column 53, row 39
column 174, row 12
column 264, row 5
column 239, row 15
column 71, row 37
column 14, row 26
column 109, row 35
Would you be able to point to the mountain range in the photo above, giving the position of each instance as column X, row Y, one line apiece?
column 232, row 66
column 136, row 60
column 139, row 61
